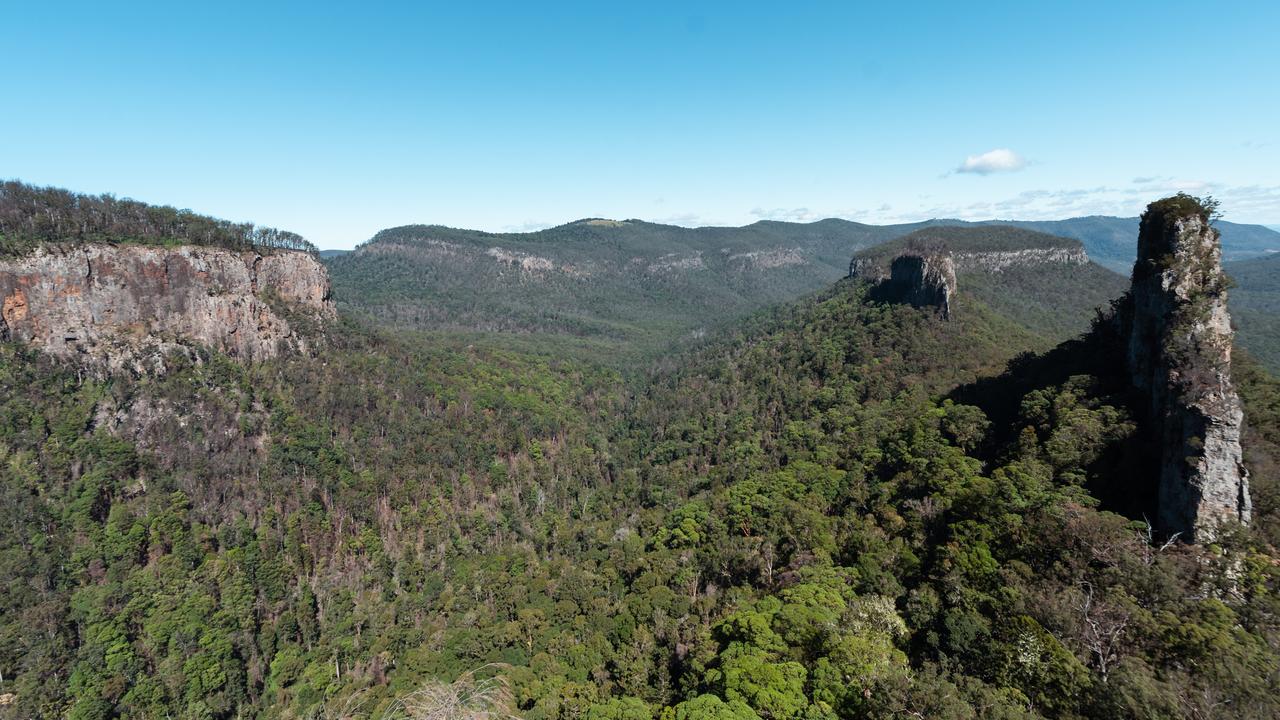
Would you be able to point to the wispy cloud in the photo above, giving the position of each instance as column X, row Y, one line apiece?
column 1240, row 203
column 683, row 220
column 800, row 214
column 993, row 161
column 527, row 226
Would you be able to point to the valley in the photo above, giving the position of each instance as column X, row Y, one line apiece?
column 630, row 471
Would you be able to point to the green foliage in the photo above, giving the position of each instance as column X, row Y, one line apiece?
column 1183, row 205
column 622, row 291
column 841, row 509
column 1255, row 307
column 31, row 216
column 709, row 707
column 968, row 239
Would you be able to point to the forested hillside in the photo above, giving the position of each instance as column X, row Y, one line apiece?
column 1255, row 306
column 803, row 519
column 1047, row 284
column 630, row 290
column 624, row 286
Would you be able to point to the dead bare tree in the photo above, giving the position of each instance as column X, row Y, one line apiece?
column 467, row 698
column 1104, row 625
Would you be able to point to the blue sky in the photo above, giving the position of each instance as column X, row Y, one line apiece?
column 336, row 120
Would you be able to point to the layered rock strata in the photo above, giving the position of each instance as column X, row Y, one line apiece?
column 111, row 303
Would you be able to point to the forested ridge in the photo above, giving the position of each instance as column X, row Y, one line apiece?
column 628, row 291
column 31, row 216
column 838, row 509
column 1255, row 306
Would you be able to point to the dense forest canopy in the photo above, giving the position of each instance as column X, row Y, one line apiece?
column 811, row 517
column 1255, row 306
column 832, row 509
column 32, row 215
column 628, row 291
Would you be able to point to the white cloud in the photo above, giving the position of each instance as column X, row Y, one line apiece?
column 993, row 161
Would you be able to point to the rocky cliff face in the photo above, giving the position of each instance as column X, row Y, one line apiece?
column 926, row 279
column 126, row 306
column 991, row 261
column 1179, row 356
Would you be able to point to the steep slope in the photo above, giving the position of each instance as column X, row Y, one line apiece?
column 1255, row 307
column 133, row 304
column 820, row 463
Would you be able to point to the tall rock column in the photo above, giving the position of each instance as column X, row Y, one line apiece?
column 1179, row 355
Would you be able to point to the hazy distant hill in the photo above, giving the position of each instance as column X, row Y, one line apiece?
column 621, row 283
column 1255, row 306
column 630, row 282
column 1113, row 241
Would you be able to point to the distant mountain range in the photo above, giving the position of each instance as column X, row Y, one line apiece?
column 634, row 286
column 1110, row 241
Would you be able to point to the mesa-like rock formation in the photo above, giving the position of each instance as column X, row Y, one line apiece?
column 1179, row 356
column 126, row 305
column 990, row 261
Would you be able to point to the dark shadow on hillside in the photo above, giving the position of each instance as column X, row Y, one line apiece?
column 1125, row 474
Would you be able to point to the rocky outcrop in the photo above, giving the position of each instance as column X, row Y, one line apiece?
column 924, row 279
column 127, row 305
column 1179, row 357
column 990, row 261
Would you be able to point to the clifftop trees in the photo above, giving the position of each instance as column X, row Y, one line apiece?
column 32, row 215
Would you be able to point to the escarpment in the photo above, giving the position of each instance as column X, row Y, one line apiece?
column 116, row 304
column 981, row 249
column 1179, row 359
column 991, row 261
column 1045, row 283
column 920, row 279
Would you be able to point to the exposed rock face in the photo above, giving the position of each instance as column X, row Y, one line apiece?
column 118, row 303
column 926, row 279
column 992, row 261
column 1179, row 355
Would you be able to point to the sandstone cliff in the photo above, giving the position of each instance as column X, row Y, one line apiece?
column 126, row 305
column 923, row 279
column 1179, row 357
column 991, row 261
